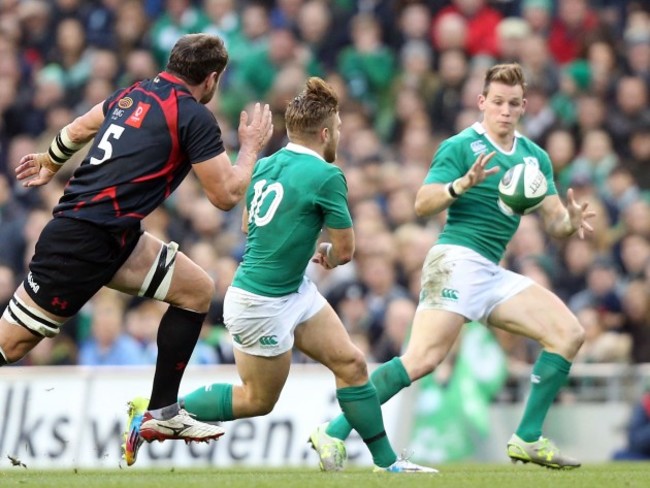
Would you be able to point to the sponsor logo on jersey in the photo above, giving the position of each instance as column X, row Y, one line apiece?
column 449, row 294
column 117, row 113
column 138, row 115
column 531, row 161
column 478, row 147
column 32, row 284
column 125, row 102
column 269, row 341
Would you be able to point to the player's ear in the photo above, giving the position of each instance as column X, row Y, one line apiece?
column 325, row 134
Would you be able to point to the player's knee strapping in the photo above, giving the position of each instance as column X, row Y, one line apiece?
column 159, row 278
column 31, row 318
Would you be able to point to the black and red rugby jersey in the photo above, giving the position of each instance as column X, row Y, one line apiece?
column 152, row 133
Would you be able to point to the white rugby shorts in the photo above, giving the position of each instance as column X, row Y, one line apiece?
column 460, row 280
column 264, row 326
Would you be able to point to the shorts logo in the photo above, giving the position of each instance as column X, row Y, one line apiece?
column 269, row 341
column 125, row 102
column 449, row 294
column 138, row 115
column 534, row 378
column 237, row 338
column 32, row 284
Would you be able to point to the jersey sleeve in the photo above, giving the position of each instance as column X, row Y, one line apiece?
column 332, row 198
column 447, row 165
column 546, row 166
column 199, row 132
column 117, row 94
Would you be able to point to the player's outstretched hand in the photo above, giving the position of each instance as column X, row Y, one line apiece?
column 477, row 173
column 32, row 170
column 579, row 213
column 256, row 134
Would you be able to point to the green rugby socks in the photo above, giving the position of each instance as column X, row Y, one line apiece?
column 361, row 406
column 212, row 403
column 550, row 373
column 389, row 379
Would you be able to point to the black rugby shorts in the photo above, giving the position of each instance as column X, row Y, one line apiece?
column 72, row 260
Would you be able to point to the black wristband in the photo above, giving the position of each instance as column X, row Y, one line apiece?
column 450, row 189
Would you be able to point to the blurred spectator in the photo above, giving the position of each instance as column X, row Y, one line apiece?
column 601, row 344
column 453, row 70
column 538, row 14
column 638, row 433
column 577, row 258
column 538, row 66
column 368, row 67
column 109, row 343
column 631, row 110
column 638, row 159
column 178, row 18
column 315, row 26
column 596, row 159
column 636, row 304
column 603, row 294
column 574, row 20
column 397, row 322
column 561, row 148
column 481, row 20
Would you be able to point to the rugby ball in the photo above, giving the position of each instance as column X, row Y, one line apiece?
column 522, row 189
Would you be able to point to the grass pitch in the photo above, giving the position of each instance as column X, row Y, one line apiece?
column 625, row 475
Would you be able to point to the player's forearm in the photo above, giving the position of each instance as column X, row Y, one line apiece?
column 560, row 226
column 239, row 179
column 436, row 197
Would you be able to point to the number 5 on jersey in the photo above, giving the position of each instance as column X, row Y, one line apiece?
column 105, row 143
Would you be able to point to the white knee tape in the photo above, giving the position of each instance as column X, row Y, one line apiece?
column 19, row 313
column 159, row 278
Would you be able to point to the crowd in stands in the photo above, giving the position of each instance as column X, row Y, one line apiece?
column 408, row 74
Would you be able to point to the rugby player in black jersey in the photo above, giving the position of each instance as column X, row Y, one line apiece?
column 144, row 141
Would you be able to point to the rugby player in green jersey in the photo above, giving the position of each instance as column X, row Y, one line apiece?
column 461, row 277
column 272, row 306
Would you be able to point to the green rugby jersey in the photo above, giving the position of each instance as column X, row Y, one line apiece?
column 293, row 194
column 474, row 219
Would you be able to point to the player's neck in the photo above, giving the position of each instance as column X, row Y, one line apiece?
column 309, row 144
column 503, row 141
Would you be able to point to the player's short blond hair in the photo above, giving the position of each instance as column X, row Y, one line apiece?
column 312, row 109
column 509, row 74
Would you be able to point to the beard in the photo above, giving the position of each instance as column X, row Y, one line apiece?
column 329, row 153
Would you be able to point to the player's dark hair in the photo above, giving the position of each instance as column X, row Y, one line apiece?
column 509, row 74
column 312, row 109
column 195, row 56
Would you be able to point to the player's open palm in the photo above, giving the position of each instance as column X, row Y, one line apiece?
column 32, row 170
column 579, row 213
column 256, row 134
column 478, row 172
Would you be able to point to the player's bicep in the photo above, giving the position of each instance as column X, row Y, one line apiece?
column 84, row 127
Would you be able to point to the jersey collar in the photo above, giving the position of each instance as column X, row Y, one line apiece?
column 293, row 147
column 173, row 79
column 480, row 130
